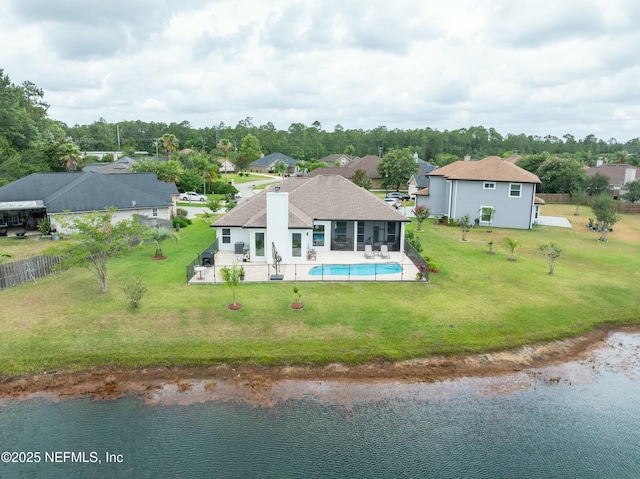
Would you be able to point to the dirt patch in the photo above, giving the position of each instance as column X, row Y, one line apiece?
column 112, row 383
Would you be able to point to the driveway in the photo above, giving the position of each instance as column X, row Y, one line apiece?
column 245, row 189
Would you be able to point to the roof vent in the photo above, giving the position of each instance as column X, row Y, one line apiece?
column 277, row 189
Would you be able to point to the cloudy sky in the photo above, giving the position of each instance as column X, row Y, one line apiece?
column 539, row 67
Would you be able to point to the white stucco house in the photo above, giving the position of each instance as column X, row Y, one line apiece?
column 323, row 213
column 478, row 188
column 55, row 195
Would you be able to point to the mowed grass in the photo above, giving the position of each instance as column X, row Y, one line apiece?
column 478, row 303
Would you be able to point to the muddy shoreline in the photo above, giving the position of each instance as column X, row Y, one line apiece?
column 113, row 383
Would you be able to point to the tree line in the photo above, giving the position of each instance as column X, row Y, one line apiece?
column 31, row 142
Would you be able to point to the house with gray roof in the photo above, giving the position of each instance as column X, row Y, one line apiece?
column 420, row 180
column 267, row 163
column 53, row 195
column 492, row 191
column 326, row 212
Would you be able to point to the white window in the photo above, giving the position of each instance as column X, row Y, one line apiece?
column 515, row 190
column 226, row 235
column 486, row 214
column 155, row 212
column 489, row 185
column 296, row 245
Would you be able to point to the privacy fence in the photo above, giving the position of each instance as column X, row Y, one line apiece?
column 565, row 199
column 26, row 270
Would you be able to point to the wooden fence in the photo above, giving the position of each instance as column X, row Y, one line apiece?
column 26, row 270
column 565, row 199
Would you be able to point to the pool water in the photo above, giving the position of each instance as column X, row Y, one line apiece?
column 364, row 269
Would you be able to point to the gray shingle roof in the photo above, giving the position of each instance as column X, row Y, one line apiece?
column 88, row 191
column 272, row 159
column 324, row 197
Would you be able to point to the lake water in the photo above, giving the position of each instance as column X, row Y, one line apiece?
column 577, row 420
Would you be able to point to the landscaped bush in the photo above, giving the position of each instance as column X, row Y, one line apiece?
column 413, row 240
column 222, row 188
column 182, row 221
column 182, row 212
column 134, row 288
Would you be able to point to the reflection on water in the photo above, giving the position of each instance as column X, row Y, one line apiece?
column 574, row 420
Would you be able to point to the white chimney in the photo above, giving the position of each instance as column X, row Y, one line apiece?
column 278, row 223
column 629, row 175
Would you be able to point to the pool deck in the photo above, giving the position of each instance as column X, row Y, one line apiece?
column 262, row 272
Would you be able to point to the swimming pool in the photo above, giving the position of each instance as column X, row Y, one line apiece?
column 363, row 269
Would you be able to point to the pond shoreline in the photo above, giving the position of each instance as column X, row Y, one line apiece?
column 253, row 382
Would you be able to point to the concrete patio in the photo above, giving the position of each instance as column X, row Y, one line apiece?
column 262, row 272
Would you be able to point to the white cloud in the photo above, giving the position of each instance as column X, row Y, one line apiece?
column 535, row 67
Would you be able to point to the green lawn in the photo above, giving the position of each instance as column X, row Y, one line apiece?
column 478, row 302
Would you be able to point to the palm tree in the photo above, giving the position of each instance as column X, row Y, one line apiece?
column 225, row 147
column 231, row 277
column 168, row 143
column 208, row 172
column 70, row 156
column 281, row 168
column 512, row 245
column 160, row 234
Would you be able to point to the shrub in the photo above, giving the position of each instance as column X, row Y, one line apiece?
column 44, row 226
column 182, row 212
column 134, row 288
column 181, row 220
column 413, row 240
column 222, row 188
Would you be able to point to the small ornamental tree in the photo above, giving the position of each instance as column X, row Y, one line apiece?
column 421, row 213
column 604, row 208
column 551, row 252
column 578, row 196
column 94, row 239
column 231, row 277
column 631, row 192
column 512, row 245
column 214, row 204
column 361, row 179
column 465, row 226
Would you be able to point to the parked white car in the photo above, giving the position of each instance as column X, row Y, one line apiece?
column 393, row 202
column 192, row 196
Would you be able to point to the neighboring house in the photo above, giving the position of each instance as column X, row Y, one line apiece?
column 420, row 180
column 122, row 165
column 327, row 212
column 226, row 166
column 619, row 174
column 478, row 187
column 367, row 163
column 338, row 159
column 267, row 163
column 111, row 154
column 62, row 194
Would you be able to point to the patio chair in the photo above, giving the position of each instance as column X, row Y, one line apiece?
column 368, row 251
column 384, row 252
column 311, row 254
